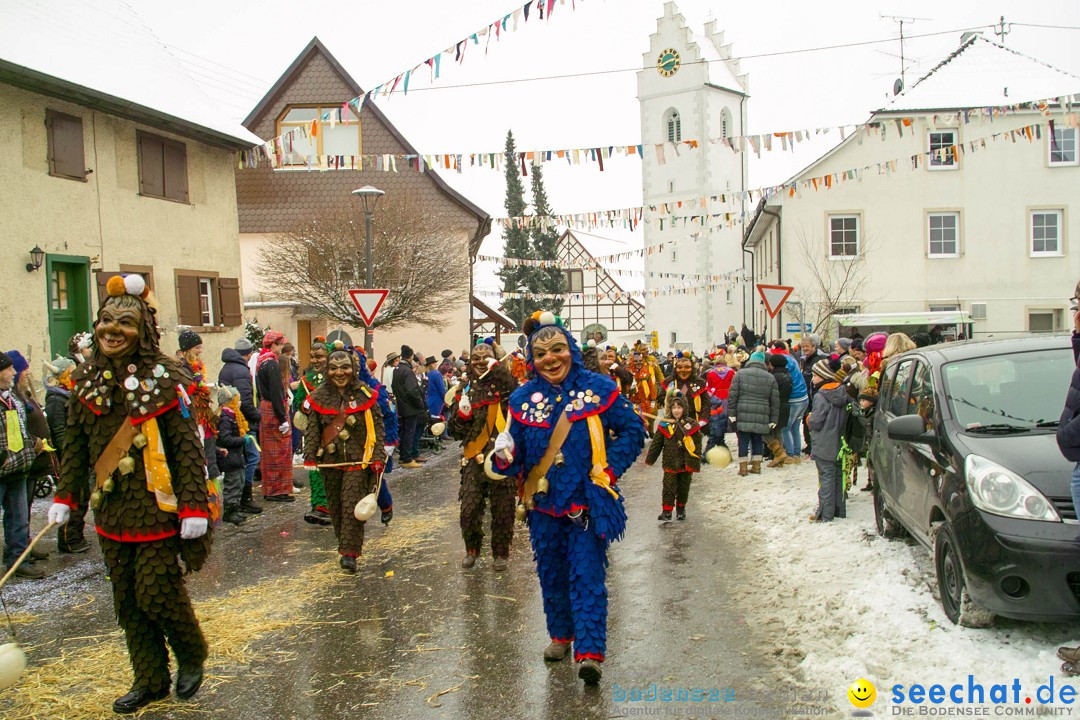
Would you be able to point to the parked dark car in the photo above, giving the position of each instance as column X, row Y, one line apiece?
column 964, row 459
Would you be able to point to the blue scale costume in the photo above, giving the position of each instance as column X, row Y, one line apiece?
column 570, row 552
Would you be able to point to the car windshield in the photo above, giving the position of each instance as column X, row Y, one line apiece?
column 1011, row 391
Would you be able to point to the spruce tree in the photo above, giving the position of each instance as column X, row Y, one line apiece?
column 545, row 242
column 516, row 244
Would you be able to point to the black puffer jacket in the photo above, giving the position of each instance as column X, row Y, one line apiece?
column 230, row 444
column 235, row 373
column 56, row 400
column 754, row 399
column 1068, row 432
column 783, row 384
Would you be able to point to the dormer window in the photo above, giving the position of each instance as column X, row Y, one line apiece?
column 673, row 125
column 337, row 132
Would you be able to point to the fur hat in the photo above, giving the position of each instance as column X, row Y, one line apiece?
column 189, row 339
column 870, row 392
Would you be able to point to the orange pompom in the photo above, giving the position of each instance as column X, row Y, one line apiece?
column 115, row 286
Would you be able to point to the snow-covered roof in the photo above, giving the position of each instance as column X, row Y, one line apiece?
column 101, row 54
column 720, row 72
column 984, row 73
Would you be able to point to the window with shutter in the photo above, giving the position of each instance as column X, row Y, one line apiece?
column 162, row 168
column 66, row 156
column 188, row 302
column 231, row 309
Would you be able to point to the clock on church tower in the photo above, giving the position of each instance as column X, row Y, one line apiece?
column 667, row 64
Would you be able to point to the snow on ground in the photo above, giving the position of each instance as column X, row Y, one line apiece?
column 839, row 603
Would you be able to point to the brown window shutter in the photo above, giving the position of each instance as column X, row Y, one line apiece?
column 176, row 183
column 103, row 278
column 188, row 310
column 151, row 166
column 66, row 157
column 232, row 312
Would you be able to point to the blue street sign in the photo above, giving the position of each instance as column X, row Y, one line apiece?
column 794, row 327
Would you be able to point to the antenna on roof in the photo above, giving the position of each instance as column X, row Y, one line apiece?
column 898, row 19
column 1000, row 29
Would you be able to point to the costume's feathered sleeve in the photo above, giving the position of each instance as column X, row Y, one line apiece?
column 626, row 435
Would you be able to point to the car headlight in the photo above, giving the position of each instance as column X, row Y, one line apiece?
column 998, row 490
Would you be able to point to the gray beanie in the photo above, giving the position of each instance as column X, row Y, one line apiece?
column 243, row 346
column 844, row 343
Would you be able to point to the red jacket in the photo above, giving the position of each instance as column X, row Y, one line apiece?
column 718, row 382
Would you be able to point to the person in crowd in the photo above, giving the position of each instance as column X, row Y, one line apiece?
column 778, row 367
column 748, row 337
column 798, row 401
column 151, row 500
column 232, row 438
column 70, row 536
column 436, row 388
column 290, row 375
column 313, row 377
column 731, row 337
column 810, row 355
column 275, row 430
column 234, row 373
column 754, row 410
column 678, row 441
column 895, row 344
column 45, row 463
column 613, row 366
column 18, row 448
column 574, row 509
column 410, row 405
column 685, row 379
column 860, row 430
column 477, row 415
column 344, row 438
column 827, row 421
column 1068, row 440
column 190, row 355
column 842, row 346
column 446, row 367
column 718, row 384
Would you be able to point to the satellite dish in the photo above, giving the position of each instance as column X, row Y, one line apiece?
column 898, row 87
column 522, row 341
column 339, row 335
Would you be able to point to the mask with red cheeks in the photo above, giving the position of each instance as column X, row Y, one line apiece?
column 117, row 330
column 551, row 358
column 340, row 370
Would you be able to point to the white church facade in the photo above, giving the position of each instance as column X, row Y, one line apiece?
column 692, row 90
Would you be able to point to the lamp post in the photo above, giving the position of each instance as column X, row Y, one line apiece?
column 369, row 196
column 522, row 290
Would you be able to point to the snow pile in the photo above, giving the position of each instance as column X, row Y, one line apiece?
column 837, row 602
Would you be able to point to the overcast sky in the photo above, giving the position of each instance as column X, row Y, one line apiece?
column 240, row 47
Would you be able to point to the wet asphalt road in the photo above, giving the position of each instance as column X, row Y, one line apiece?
column 398, row 641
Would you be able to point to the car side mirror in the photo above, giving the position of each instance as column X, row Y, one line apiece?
column 910, row 428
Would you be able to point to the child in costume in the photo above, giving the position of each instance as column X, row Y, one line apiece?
column 129, row 422
column 572, row 436
column 232, row 441
column 477, row 415
column 685, row 380
column 678, row 440
column 344, row 439
column 390, row 431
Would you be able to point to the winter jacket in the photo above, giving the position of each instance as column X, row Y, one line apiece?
column 15, row 462
column 754, row 399
column 235, row 373
column 798, row 382
column 410, row 402
column 828, row 419
column 271, row 388
column 748, row 338
column 1068, row 432
column 230, row 442
column 56, row 400
column 783, row 384
column 668, row 440
column 436, row 393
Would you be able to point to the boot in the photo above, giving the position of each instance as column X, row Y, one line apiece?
column 755, row 466
column 742, row 468
column 792, row 460
column 188, row 680
column 233, row 515
column 589, row 671
column 500, row 564
column 556, row 650
column 469, row 560
column 664, row 516
column 779, row 456
column 680, row 513
column 1069, row 654
column 348, row 564
column 246, row 504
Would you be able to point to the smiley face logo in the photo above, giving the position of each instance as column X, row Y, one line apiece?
column 862, row 693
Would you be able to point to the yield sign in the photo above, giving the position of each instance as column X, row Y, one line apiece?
column 774, row 297
column 368, row 302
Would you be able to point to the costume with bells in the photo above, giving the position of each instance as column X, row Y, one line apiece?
column 128, row 419
column 344, row 440
column 678, row 443
column 645, row 387
column 478, row 414
column 574, row 508
column 692, row 388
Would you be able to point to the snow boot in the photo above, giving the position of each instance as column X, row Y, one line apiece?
column 246, row 504
column 742, row 467
column 779, row 456
column 755, row 465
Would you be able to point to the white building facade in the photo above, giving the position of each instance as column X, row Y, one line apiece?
column 691, row 89
column 938, row 204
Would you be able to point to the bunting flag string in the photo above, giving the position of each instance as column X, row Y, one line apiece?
column 597, row 267
column 279, row 151
column 737, row 279
column 679, row 212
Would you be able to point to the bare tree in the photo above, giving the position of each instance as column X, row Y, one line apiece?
column 417, row 253
column 834, row 284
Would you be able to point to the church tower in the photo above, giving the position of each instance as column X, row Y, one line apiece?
column 691, row 89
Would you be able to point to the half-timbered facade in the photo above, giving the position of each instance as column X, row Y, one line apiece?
column 595, row 302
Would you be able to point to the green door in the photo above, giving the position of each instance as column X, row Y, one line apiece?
column 69, row 299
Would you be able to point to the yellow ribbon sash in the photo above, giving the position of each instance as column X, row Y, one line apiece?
column 598, row 474
column 369, row 441
column 158, row 477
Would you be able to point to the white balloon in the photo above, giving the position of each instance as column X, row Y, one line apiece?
column 12, row 664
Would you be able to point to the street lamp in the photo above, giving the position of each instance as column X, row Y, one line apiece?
column 369, row 196
column 522, row 290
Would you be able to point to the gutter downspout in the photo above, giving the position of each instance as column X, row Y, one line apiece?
column 742, row 191
column 779, row 264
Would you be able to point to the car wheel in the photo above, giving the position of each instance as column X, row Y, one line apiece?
column 887, row 525
column 958, row 605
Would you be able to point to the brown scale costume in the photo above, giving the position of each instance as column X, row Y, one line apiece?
column 477, row 431
column 140, row 540
column 340, row 455
column 678, row 443
column 692, row 388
